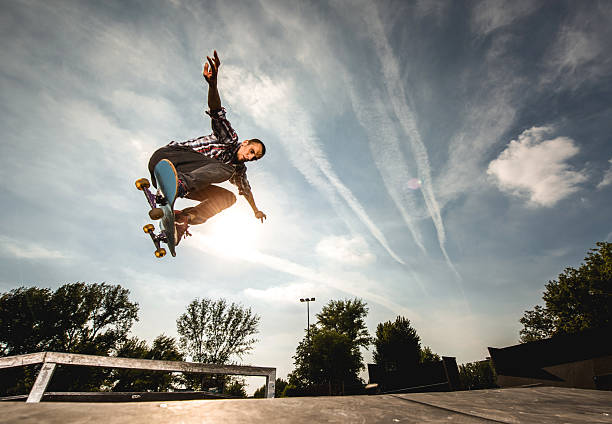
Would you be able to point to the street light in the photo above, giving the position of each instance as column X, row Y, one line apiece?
column 308, row 300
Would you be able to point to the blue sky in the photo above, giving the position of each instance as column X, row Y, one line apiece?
column 441, row 160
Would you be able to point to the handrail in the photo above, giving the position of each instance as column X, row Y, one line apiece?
column 51, row 359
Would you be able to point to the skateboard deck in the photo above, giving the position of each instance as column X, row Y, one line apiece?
column 162, row 206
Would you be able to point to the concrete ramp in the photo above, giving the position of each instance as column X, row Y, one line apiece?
column 517, row 405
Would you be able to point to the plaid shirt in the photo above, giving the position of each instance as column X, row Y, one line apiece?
column 221, row 145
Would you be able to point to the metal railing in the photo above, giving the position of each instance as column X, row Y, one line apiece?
column 50, row 360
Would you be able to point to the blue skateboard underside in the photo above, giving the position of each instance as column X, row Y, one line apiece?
column 167, row 182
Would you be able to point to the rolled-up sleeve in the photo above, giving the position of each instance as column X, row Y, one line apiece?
column 221, row 126
column 239, row 179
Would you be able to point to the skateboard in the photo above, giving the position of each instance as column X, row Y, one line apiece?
column 162, row 206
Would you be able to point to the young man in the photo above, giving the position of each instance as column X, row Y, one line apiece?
column 210, row 159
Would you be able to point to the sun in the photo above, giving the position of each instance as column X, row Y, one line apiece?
column 234, row 231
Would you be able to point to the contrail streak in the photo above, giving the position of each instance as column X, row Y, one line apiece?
column 270, row 103
column 387, row 156
column 397, row 96
column 211, row 245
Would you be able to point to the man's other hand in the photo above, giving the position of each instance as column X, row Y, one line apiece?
column 260, row 215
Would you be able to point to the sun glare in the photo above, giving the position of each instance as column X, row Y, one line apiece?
column 233, row 231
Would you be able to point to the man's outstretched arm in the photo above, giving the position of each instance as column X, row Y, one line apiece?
column 244, row 188
column 258, row 214
column 214, row 100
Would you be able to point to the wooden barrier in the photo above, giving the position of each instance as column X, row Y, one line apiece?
column 50, row 360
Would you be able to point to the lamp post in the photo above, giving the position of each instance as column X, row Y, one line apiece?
column 308, row 300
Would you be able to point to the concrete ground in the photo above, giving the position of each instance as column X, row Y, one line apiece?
column 517, row 405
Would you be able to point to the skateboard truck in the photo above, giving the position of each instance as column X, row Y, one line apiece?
column 162, row 204
column 155, row 212
column 150, row 230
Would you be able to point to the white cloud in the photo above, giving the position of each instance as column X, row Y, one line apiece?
column 536, row 168
column 607, row 178
column 287, row 294
column 349, row 250
column 581, row 52
column 489, row 15
column 146, row 108
column 28, row 250
column 575, row 48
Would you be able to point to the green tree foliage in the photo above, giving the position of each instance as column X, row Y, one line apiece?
column 76, row 318
column 428, row 356
column 580, row 299
column 332, row 356
column 279, row 388
column 346, row 317
column 397, row 346
column 235, row 387
column 24, row 321
column 213, row 331
column 163, row 348
column 260, row 393
column 538, row 324
column 329, row 359
column 477, row 375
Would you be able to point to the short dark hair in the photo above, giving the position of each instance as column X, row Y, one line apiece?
column 263, row 146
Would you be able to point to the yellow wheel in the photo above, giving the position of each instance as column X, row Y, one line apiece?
column 142, row 183
column 156, row 213
column 160, row 253
column 148, row 228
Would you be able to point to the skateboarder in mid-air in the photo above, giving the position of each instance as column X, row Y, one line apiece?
column 204, row 161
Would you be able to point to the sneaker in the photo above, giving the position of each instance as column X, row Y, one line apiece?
column 181, row 189
column 181, row 224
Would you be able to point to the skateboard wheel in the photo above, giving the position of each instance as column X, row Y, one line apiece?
column 148, row 228
column 156, row 213
column 160, row 253
column 142, row 183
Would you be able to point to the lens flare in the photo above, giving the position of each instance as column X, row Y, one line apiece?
column 414, row 184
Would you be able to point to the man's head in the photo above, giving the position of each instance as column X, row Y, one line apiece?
column 249, row 150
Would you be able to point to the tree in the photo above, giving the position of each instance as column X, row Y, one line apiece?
column 76, row 318
column 164, row 348
column 213, row 331
column 332, row 356
column 428, row 356
column 538, row 324
column 235, row 387
column 397, row 345
column 24, row 321
column 346, row 317
column 279, row 388
column 579, row 299
column 478, row 375
column 328, row 359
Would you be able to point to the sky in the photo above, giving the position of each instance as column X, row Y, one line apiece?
column 441, row 160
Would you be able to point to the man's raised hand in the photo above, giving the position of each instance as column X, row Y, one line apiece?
column 260, row 215
column 211, row 74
